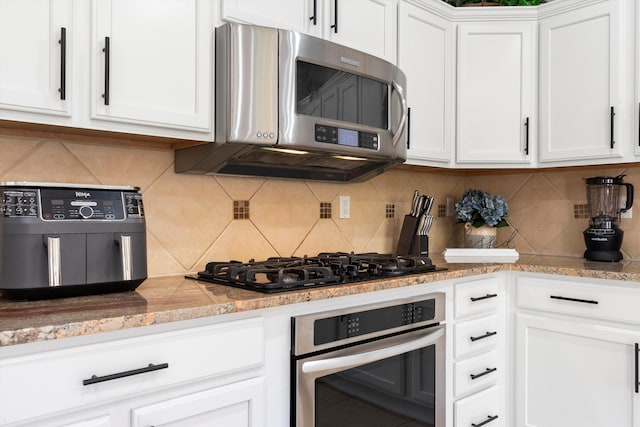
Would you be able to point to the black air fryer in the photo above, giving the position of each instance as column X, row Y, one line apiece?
column 603, row 238
column 66, row 240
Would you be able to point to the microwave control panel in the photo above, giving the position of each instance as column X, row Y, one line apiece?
column 346, row 137
column 56, row 204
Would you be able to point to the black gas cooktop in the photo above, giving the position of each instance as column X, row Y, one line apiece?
column 325, row 269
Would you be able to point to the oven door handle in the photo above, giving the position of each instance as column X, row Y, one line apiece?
column 351, row 361
column 405, row 113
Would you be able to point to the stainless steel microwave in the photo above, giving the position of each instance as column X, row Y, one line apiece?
column 296, row 106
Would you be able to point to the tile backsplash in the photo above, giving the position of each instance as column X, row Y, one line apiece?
column 192, row 219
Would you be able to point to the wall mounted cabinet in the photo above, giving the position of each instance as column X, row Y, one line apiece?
column 581, row 79
column 430, row 71
column 366, row 25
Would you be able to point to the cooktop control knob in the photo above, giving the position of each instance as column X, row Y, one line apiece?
column 86, row 212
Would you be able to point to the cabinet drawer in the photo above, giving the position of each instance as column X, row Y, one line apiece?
column 482, row 407
column 477, row 297
column 55, row 379
column 474, row 336
column 476, row 373
column 579, row 299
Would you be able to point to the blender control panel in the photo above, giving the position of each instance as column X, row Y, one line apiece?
column 52, row 204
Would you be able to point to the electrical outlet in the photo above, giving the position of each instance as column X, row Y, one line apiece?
column 628, row 214
column 450, row 209
column 345, row 207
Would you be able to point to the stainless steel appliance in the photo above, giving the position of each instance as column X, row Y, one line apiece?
column 67, row 239
column 295, row 106
column 360, row 365
column 325, row 269
column 603, row 238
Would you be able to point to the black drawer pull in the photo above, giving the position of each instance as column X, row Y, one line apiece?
column 487, row 421
column 107, row 60
column 613, row 113
column 481, row 337
column 586, row 301
column 637, row 382
column 482, row 374
column 487, row 296
column 96, row 379
column 63, row 63
column 526, row 139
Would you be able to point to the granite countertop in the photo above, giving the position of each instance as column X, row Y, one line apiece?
column 174, row 298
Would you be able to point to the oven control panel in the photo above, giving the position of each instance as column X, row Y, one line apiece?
column 346, row 137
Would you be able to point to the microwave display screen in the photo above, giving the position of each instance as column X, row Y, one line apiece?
column 334, row 94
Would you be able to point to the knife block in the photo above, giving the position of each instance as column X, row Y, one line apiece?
column 420, row 246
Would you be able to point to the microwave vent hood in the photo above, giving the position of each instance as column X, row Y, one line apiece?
column 349, row 127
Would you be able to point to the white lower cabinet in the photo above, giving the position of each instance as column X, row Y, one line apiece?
column 575, row 373
column 236, row 405
column 485, row 408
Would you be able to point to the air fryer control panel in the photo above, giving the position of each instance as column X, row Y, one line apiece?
column 68, row 204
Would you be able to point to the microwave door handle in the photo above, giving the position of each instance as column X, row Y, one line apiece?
column 346, row 362
column 403, row 120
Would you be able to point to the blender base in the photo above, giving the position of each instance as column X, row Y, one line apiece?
column 607, row 256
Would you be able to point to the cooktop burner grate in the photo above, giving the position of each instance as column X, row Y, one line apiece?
column 325, row 269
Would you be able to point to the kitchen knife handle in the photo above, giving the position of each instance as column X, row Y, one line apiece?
column 107, row 52
column 613, row 114
column 637, row 381
column 54, row 261
column 127, row 257
column 526, row 136
column 63, row 63
column 314, row 18
column 335, row 17
column 96, row 379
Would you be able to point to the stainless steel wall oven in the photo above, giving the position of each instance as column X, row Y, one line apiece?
column 375, row 365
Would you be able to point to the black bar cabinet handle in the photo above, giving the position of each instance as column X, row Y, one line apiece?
column 106, row 50
column 526, row 136
column 63, row 63
column 487, row 421
column 487, row 296
column 586, row 301
column 481, row 337
column 314, row 18
column 638, row 124
column 335, row 16
column 408, row 128
column 613, row 113
column 637, row 382
column 482, row 374
column 96, row 379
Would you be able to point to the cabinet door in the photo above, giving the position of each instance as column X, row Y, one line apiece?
column 580, row 77
column 159, row 64
column 303, row 15
column 32, row 56
column 495, row 92
column 429, row 68
column 574, row 374
column 366, row 25
column 236, row 405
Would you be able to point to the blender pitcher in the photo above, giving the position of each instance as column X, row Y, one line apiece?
column 603, row 238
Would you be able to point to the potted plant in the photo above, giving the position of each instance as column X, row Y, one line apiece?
column 482, row 213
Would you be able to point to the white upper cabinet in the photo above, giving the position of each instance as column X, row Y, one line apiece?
column 35, row 57
column 581, row 71
column 496, row 92
column 152, row 65
column 426, row 54
column 366, row 25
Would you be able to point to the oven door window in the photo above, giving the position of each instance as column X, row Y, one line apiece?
column 397, row 391
column 338, row 95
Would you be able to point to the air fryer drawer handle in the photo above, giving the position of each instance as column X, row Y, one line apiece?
column 54, row 260
column 351, row 361
column 96, row 379
column 126, row 254
column 405, row 113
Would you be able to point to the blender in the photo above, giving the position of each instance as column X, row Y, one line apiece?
column 603, row 238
